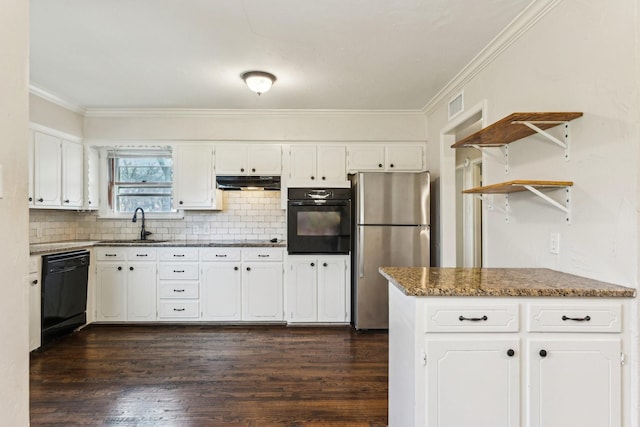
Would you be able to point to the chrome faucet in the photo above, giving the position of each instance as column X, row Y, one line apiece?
column 143, row 232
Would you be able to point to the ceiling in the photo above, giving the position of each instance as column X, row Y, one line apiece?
column 326, row 54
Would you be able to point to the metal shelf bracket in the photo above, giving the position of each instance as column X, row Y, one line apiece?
column 562, row 143
column 504, row 158
column 566, row 207
column 493, row 207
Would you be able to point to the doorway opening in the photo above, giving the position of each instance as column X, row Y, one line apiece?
column 468, row 174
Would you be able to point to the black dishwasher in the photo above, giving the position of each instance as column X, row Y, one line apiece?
column 64, row 293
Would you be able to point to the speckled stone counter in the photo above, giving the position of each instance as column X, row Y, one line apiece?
column 498, row 282
column 45, row 248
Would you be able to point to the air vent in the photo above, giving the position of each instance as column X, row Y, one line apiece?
column 456, row 105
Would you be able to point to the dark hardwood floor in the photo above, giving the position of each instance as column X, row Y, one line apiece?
column 197, row 375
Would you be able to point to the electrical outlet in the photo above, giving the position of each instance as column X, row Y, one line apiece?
column 554, row 243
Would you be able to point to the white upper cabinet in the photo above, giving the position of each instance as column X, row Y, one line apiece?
column 317, row 166
column 386, row 158
column 92, row 198
column 30, row 167
column 72, row 174
column 57, row 172
column 193, row 177
column 265, row 159
column 248, row 159
column 47, row 165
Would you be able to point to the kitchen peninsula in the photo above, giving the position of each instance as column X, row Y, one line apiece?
column 507, row 347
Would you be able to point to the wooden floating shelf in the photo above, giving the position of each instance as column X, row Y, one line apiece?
column 516, row 186
column 513, row 128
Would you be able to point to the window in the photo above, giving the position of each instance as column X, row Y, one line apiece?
column 140, row 178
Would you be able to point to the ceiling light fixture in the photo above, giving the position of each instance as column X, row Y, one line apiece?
column 258, row 81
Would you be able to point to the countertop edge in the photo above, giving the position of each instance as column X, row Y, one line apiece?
column 591, row 288
column 53, row 247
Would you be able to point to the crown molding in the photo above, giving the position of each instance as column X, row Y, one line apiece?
column 203, row 112
column 55, row 99
column 512, row 32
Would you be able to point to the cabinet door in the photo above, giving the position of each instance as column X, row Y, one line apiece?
column 30, row 167
column 72, row 174
column 302, row 290
column 231, row 159
column 47, row 155
column 404, row 158
column 35, row 310
column 194, row 177
column 332, row 163
column 111, row 291
column 574, row 382
column 262, row 291
column 366, row 158
column 93, row 178
column 472, row 382
column 332, row 292
column 302, row 165
column 221, row 291
column 265, row 159
column 141, row 291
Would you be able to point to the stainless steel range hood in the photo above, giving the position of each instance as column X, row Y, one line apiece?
column 229, row 183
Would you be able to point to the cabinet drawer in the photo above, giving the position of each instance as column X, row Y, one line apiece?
column 472, row 318
column 111, row 254
column 142, row 254
column 574, row 318
column 179, row 290
column 179, row 309
column 262, row 254
column 178, row 271
column 220, row 254
column 178, row 254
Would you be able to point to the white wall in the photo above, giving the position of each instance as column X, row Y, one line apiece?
column 581, row 56
column 255, row 126
column 14, row 250
column 54, row 116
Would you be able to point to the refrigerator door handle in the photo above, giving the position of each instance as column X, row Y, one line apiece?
column 360, row 251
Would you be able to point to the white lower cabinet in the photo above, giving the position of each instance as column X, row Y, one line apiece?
column 35, row 298
column 480, row 374
column 478, row 365
column 178, row 280
column 318, row 289
column 189, row 284
column 125, row 290
column 574, row 382
column 221, row 291
column 262, row 291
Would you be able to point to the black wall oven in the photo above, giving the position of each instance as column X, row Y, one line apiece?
column 319, row 221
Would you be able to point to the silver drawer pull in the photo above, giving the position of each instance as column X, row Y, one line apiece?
column 178, row 271
column 473, row 319
column 220, row 256
column 110, row 254
column 179, row 309
column 577, row 319
column 178, row 255
column 178, row 290
column 263, row 256
column 142, row 254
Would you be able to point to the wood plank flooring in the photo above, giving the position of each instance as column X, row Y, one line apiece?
column 201, row 375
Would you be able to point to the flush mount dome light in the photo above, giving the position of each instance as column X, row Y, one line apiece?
column 258, row 81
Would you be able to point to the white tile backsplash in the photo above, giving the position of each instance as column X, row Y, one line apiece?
column 248, row 215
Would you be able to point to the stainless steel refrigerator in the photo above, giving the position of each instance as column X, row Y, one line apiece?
column 391, row 229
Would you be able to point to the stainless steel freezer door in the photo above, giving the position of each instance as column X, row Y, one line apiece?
column 383, row 246
column 393, row 198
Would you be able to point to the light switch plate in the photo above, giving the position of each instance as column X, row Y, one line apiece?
column 554, row 243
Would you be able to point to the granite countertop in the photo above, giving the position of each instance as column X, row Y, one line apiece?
column 498, row 282
column 45, row 248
